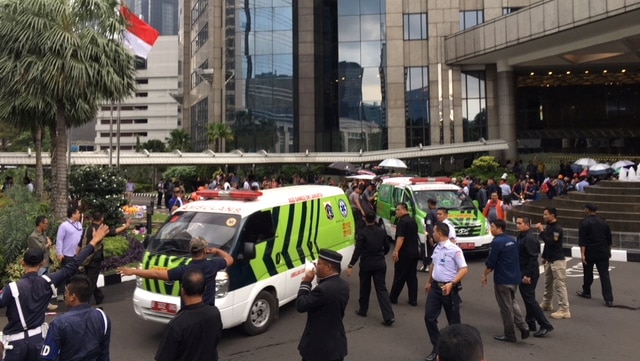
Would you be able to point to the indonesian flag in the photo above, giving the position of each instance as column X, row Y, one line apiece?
column 139, row 35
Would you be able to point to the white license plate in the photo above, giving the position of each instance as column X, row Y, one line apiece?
column 164, row 307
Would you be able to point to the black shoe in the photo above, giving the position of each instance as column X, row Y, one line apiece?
column 525, row 334
column 361, row 314
column 388, row 322
column 431, row 357
column 543, row 332
column 609, row 303
column 413, row 303
column 583, row 295
column 505, row 338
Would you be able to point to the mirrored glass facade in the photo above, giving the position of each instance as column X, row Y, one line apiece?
column 474, row 106
column 361, row 62
column 259, row 74
column 418, row 124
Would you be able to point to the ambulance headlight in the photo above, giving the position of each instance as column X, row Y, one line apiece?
column 487, row 226
column 222, row 284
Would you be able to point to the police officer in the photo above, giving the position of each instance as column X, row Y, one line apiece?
column 324, row 337
column 372, row 245
column 447, row 271
column 27, row 299
column 405, row 256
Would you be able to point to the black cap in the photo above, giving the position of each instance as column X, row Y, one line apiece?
column 330, row 256
column 33, row 256
column 591, row 207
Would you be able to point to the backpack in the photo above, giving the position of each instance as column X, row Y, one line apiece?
column 545, row 187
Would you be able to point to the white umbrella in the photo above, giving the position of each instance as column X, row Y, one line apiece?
column 622, row 163
column 393, row 163
column 585, row 162
column 600, row 169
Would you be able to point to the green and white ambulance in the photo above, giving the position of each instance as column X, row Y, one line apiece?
column 472, row 228
column 271, row 234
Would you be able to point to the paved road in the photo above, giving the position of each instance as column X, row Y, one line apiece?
column 594, row 333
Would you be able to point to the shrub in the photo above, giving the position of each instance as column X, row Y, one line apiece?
column 100, row 189
column 17, row 221
column 184, row 173
column 485, row 167
column 133, row 254
column 116, row 246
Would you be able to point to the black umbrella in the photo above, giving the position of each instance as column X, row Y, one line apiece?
column 343, row 166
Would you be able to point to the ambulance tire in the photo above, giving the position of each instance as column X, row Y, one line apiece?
column 262, row 312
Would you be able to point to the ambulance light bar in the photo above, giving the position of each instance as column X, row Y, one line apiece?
column 423, row 180
column 236, row 195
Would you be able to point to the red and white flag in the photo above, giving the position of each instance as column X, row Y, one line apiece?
column 139, row 35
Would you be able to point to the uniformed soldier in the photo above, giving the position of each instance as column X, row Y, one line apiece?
column 447, row 271
column 27, row 299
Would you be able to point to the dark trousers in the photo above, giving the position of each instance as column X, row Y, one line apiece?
column 160, row 194
column 509, row 309
column 167, row 198
column 605, row 280
column 27, row 349
column 65, row 261
column 426, row 251
column 92, row 271
column 533, row 311
column 378, row 277
column 405, row 271
column 436, row 302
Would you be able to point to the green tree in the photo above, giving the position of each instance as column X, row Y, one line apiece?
column 154, row 145
column 219, row 134
column 100, row 189
column 178, row 139
column 58, row 61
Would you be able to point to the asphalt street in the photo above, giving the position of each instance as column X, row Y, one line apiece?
column 595, row 332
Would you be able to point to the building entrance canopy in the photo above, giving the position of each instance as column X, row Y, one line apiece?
column 237, row 157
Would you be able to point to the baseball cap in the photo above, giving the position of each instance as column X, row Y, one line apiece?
column 33, row 256
column 198, row 244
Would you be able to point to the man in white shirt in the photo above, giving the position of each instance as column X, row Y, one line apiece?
column 443, row 217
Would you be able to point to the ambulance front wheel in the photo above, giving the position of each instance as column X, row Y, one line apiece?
column 262, row 312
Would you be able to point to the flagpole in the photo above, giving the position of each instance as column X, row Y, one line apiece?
column 111, row 136
column 118, row 138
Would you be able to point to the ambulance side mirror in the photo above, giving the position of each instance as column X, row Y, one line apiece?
column 249, row 251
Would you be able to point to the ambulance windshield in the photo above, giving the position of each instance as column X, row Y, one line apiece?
column 218, row 229
column 450, row 199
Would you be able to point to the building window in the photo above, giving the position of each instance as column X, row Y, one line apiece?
column 124, row 121
column 417, row 122
column 200, row 39
column 141, row 63
column 196, row 78
column 471, row 18
column 506, row 11
column 199, row 123
column 415, row 27
column 474, row 106
column 198, row 9
column 142, row 94
column 142, row 81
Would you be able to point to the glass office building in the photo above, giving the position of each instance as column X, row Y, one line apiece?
column 351, row 75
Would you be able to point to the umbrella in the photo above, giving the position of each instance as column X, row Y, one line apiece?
column 393, row 163
column 343, row 166
column 361, row 176
column 600, row 169
column 622, row 163
column 585, row 162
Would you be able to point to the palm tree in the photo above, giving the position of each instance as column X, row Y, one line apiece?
column 58, row 61
column 178, row 139
column 218, row 134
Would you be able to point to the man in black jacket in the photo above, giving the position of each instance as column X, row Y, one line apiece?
column 555, row 266
column 529, row 248
column 405, row 256
column 324, row 337
column 595, row 248
column 371, row 246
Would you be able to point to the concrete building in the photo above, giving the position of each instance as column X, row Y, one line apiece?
column 544, row 75
column 152, row 113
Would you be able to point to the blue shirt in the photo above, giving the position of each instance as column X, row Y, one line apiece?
column 504, row 260
column 68, row 238
column 447, row 261
column 209, row 269
column 81, row 334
